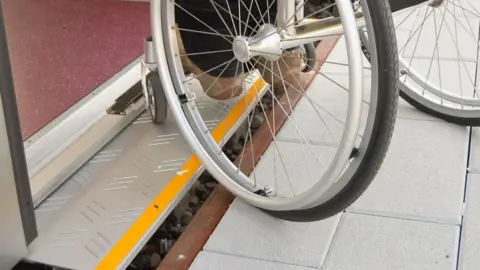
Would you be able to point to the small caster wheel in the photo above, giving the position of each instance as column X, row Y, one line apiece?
column 308, row 55
column 156, row 96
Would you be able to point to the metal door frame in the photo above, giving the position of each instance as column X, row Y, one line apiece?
column 18, row 226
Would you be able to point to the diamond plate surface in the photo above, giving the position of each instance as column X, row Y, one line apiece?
column 81, row 221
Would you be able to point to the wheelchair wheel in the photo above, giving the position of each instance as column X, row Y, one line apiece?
column 334, row 137
column 438, row 47
column 157, row 101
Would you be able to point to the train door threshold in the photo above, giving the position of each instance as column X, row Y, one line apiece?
column 106, row 211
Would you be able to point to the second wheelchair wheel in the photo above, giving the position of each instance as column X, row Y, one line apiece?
column 308, row 55
column 438, row 44
column 327, row 137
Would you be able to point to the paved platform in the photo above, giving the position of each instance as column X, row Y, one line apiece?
column 421, row 212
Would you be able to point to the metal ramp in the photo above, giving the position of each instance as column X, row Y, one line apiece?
column 102, row 216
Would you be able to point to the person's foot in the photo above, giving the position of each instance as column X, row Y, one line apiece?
column 215, row 87
column 220, row 88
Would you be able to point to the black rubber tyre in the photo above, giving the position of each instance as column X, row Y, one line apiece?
column 158, row 101
column 463, row 121
column 384, row 123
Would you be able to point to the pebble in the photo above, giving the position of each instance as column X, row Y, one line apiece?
column 237, row 147
column 257, row 120
column 202, row 193
column 163, row 246
column 176, row 231
column 155, row 259
column 210, row 185
column 195, row 201
column 186, row 218
column 140, row 262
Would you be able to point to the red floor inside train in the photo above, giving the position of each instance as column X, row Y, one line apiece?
column 61, row 50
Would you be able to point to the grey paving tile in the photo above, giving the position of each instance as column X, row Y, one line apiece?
column 475, row 151
column 328, row 91
column 339, row 55
column 455, row 77
column 405, row 19
column 423, row 174
column 403, row 39
column 215, row 261
column 457, row 39
column 470, row 243
column 335, row 76
column 365, row 242
column 291, row 167
column 320, row 118
column 472, row 7
column 450, row 75
column 247, row 232
column 333, row 98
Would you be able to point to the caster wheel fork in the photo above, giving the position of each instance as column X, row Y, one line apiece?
column 155, row 100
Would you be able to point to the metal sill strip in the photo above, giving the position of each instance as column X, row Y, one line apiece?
column 57, row 151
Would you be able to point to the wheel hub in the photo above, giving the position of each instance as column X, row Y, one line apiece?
column 241, row 49
column 266, row 43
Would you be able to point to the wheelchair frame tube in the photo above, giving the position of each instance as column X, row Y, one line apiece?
column 317, row 30
column 286, row 11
